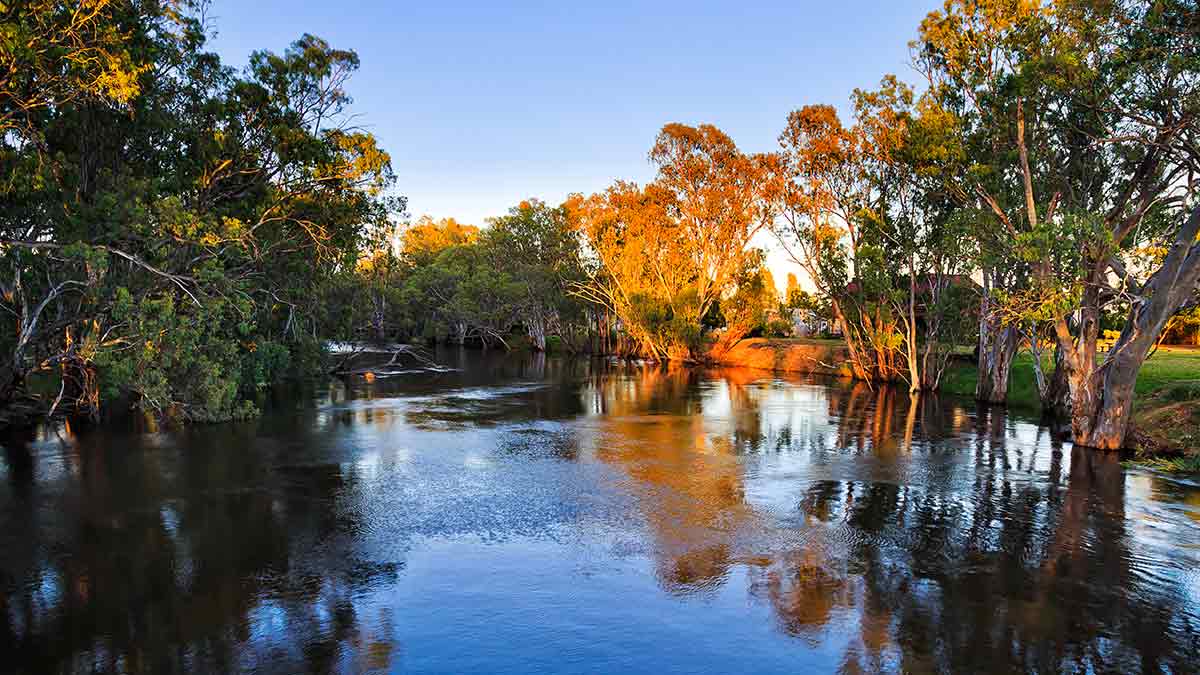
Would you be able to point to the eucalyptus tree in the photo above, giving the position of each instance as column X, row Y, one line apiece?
column 822, row 200
column 166, row 218
column 1139, row 63
column 913, row 221
column 861, row 211
column 664, row 255
column 536, row 245
column 1083, row 117
column 974, row 56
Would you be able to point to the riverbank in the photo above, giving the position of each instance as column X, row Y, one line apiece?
column 1166, row 421
column 1166, row 415
column 789, row 355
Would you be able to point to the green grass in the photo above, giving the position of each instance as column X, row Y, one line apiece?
column 1022, row 388
column 1166, row 405
column 1184, row 464
column 1169, row 367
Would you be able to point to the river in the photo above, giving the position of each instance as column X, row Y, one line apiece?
column 531, row 514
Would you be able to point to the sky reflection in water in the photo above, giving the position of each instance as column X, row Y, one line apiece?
column 528, row 515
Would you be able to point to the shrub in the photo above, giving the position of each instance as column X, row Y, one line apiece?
column 1183, row 391
column 778, row 328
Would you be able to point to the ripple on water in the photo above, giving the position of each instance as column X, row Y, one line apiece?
column 587, row 516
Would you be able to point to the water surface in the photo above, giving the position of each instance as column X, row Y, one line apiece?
column 542, row 515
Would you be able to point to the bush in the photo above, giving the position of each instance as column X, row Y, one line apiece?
column 778, row 328
column 1183, row 391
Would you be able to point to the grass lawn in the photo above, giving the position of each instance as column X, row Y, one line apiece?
column 1166, row 407
column 1168, row 367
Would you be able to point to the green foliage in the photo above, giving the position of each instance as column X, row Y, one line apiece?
column 179, row 363
column 1183, row 391
column 777, row 328
column 452, row 282
column 188, row 233
column 537, row 248
column 663, row 323
column 169, row 220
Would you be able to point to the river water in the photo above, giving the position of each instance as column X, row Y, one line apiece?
column 528, row 515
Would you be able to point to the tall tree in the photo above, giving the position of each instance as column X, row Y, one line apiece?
column 537, row 246
column 829, row 216
column 667, row 253
column 970, row 53
column 1144, row 58
column 159, row 236
column 1089, row 113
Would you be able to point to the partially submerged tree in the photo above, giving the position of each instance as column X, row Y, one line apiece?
column 970, row 54
column 833, row 206
column 1090, row 114
column 536, row 245
column 821, row 193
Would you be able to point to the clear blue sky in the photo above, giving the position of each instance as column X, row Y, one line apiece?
column 482, row 104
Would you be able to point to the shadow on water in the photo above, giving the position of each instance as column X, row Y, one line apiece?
column 584, row 515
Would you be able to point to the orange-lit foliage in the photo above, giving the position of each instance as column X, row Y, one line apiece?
column 823, row 200
column 667, row 252
column 55, row 52
column 425, row 238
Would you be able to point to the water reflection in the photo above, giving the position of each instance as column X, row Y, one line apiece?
column 582, row 516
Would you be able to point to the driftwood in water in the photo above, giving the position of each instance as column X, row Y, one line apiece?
column 417, row 356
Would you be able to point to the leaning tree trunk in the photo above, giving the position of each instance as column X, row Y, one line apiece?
column 1102, row 396
column 860, row 365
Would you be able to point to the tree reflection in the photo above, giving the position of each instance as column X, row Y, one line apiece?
column 689, row 488
column 1016, row 557
column 901, row 533
column 111, row 587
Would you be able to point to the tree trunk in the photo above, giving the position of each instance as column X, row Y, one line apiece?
column 12, row 383
column 915, row 379
column 605, row 347
column 536, row 328
column 997, row 347
column 379, row 317
column 1101, row 415
column 859, row 365
column 1059, row 399
column 1054, row 392
column 1102, row 396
